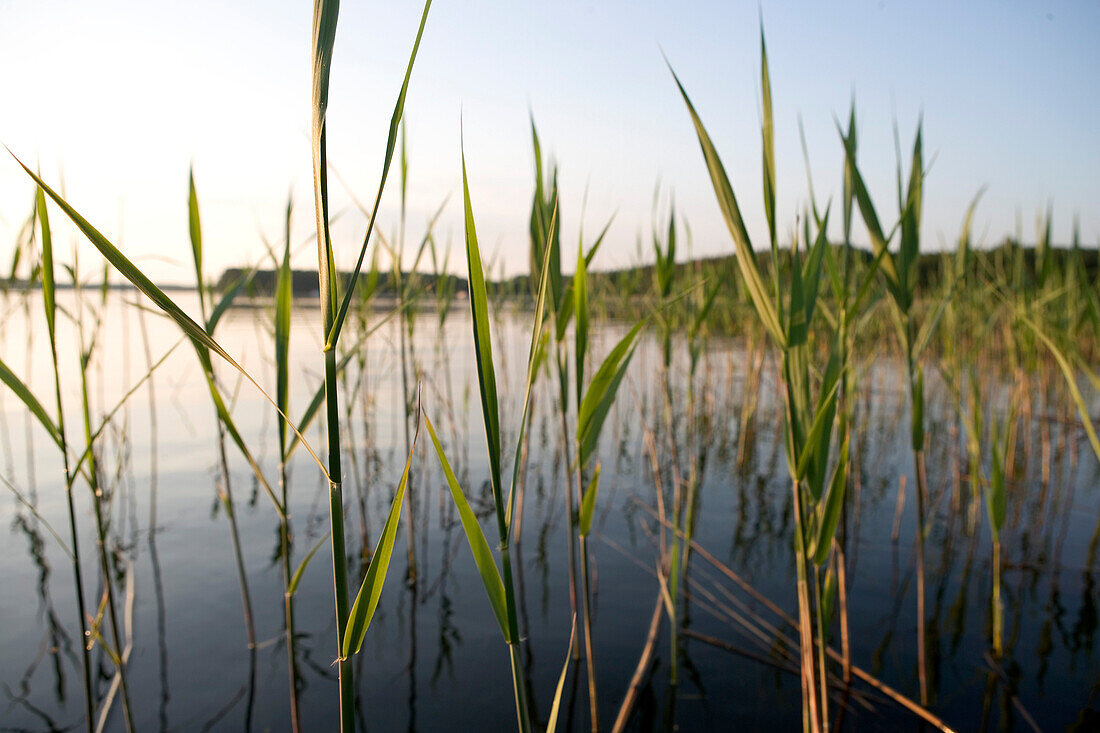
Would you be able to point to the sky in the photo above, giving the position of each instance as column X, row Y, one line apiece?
column 116, row 100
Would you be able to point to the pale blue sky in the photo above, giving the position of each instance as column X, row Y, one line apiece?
column 119, row 97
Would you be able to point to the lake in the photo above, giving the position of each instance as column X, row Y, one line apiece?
column 434, row 658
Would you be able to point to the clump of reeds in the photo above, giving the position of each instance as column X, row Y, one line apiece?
column 817, row 470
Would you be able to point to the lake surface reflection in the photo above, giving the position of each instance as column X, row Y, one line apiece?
column 433, row 658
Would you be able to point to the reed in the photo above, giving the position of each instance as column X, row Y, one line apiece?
column 222, row 417
column 818, row 477
column 50, row 304
column 100, row 499
column 499, row 584
column 1029, row 314
column 900, row 274
column 351, row 625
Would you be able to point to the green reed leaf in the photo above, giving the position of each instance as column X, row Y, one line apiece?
column 366, row 602
column 544, row 204
column 300, row 571
column 1071, row 382
column 910, row 222
column 131, row 272
column 479, row 547
column 812, row 267
column 996, row 503
column 391, row 140
column 555, row 706
column 962, row 251
column 917, row 430
column 871, row 220
column 535, row 355
column 600, row 394
column 48, row 287
column 580, row 317
column 228, row 297
column 483, row 348
column 588, row 502
column 829, row 515
column 767, row 133
column 16, row 385
column 194, row 228
column 829, row 589
column 591, row 255
column 284, row 294
column 746, row 258
column 816, row 441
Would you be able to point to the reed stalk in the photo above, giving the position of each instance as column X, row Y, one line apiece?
column 788, row 318
column 99, row 496
column 50, row 305
column 334, row 305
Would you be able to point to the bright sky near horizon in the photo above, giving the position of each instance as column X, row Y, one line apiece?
column 117, row 98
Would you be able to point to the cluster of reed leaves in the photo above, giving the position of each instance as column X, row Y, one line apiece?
column 352, row 623
column 809, row 419
column 817, row 466
column 1043, row 302
column 499, row 584
column 81, row 467
column 593, row 404
column 815, row 395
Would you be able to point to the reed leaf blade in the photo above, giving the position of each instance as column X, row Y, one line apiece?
column 475, row 537
column 366, row 602
column 588, row 504
column 746, row 258
column 333, row 334
column 483, row 348
column 16, row 385
column 296, row 579
column 600, row 394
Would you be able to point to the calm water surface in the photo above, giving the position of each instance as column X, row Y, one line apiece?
column 434, row 659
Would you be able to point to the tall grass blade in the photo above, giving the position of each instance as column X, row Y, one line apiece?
column 292, row 587
column 600, row 394
column 47, row 263
column 131, row 272
column 325, row 16
column 283, row 295
column 830, row 509
column 580, row 319
column 746, row 258
column 588, row 504
column 483, row 556
column 767, row 132
column 486, row 373
column 1071, row 382
column 195, row 230
column 870, row 218
column 555, row 707
column 366, row 602
column 395, row 120
column 225, row 302
column 16, row 385
column 535, row 355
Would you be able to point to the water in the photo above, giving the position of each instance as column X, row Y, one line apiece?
column 434, row 658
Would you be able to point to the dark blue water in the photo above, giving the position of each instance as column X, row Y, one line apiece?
column 434, row 658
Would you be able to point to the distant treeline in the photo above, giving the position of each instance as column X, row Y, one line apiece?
column 1018, row 260
column 304, row 283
